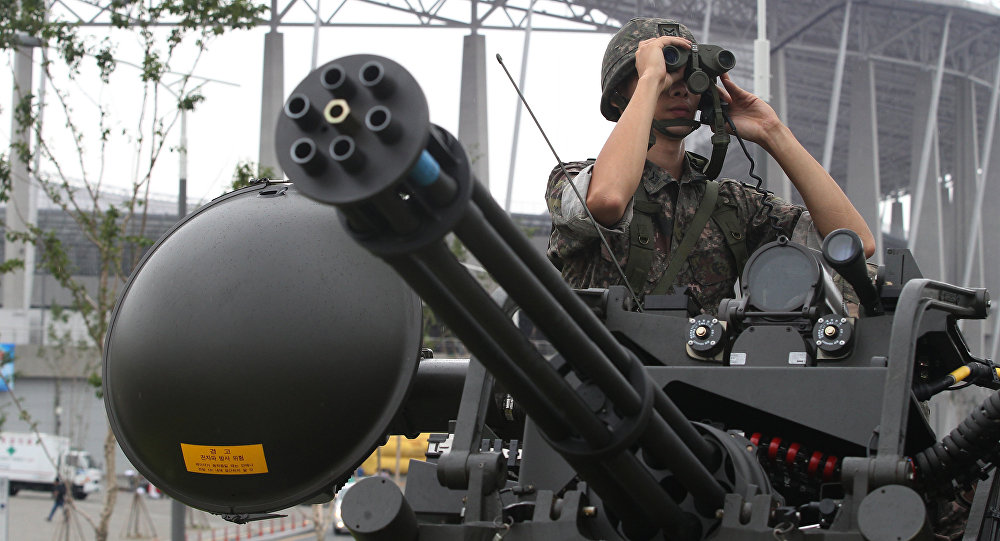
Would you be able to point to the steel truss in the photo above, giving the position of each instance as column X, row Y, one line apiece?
column 925, row 73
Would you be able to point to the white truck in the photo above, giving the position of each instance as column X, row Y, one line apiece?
column 33, row 461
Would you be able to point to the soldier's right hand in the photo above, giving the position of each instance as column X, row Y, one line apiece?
column 649, row 61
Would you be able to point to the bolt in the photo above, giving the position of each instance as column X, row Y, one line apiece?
column 590, row 511
column 719, row 513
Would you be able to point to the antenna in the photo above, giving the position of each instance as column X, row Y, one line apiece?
column 590, row 216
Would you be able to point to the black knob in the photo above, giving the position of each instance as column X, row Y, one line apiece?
column 833, row 335
column 706, row 335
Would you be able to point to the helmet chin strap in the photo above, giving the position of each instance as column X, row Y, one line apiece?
column 715, row 118
column 660, row 126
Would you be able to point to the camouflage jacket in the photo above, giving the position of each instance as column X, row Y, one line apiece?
column 710, row 270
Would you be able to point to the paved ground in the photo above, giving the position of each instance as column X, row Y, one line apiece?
column 145, row 519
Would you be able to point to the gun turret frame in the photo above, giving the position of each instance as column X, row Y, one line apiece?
column 783, row 417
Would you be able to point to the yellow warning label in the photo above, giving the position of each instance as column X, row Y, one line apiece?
column 224, row 460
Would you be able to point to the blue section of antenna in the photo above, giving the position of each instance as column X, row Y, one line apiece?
column 426, row 171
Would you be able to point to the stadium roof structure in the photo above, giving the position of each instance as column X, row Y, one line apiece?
column 883, row 92
column 907, row 43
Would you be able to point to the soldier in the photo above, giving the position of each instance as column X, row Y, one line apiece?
column 645, row 190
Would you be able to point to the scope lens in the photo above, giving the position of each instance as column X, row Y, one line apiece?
column 726, row 59
column 841, row 247
column 779, row 278
column 671, row 55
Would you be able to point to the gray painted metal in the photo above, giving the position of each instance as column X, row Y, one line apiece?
column 837, row 87
column 925, row 153
column 917, row 297
column 893, row 512
column 517, row 110
column 182, row 181
column 965, row 189
column 991, row 250
column 761, row 58
column 17, row 284
column 896, row 224
column 706, row 24
column 272, row 97
column 4, row 510
column 938, row 238
column 961, row 186
column 926, row 252
column 472, row 117
column 976, row 222
column 177, row 520
column 777, row 180
column 864, row 188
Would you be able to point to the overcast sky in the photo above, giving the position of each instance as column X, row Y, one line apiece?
column 562, row 87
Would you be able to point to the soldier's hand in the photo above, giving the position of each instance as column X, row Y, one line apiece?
column 753, row 117
column 649, row 60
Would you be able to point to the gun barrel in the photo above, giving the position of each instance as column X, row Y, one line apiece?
column 414, row 191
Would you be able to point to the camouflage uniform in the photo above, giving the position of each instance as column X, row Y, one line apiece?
column 710, row 269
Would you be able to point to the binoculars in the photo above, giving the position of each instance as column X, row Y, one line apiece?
column 704, row 63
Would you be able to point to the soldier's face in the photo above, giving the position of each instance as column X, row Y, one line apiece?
column 675, row 102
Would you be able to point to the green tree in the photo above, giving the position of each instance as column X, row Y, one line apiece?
column 246, row 171
column 72, row 60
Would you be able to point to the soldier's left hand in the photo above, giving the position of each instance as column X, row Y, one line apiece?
column 753, row 117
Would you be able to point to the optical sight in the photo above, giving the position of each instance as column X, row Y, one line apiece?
column 704, row 62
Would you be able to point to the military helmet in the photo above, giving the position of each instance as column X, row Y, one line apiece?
column 619, row 57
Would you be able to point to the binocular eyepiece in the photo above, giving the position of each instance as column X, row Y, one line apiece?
column 704, row 63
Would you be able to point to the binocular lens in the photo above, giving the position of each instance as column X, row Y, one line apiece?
column 726, row 59
column 671, row 56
